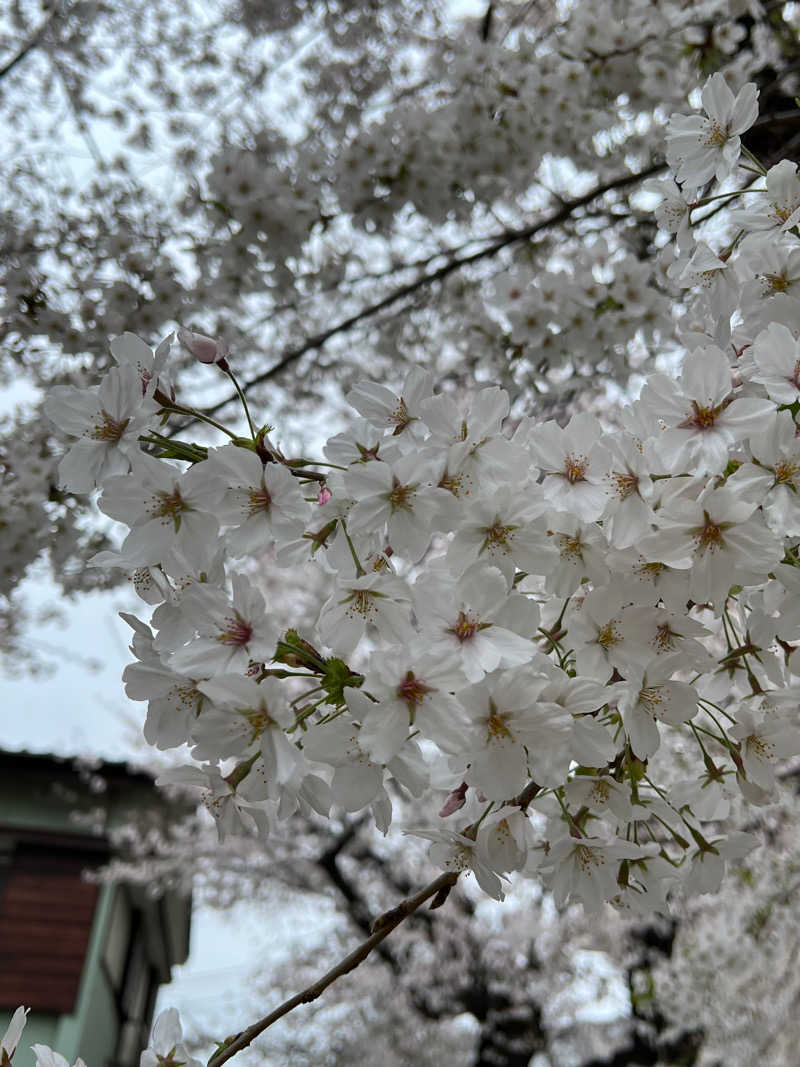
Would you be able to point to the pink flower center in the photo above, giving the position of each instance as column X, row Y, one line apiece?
column 709, row 536
column 259, row 500
column 413, row 691
column 367, row 454
column 238, row 631
column 702, row 418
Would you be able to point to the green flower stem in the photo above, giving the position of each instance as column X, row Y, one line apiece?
column 723, row 196
column 754, row 160
column 360, row 572
column 573, row 825
column 175, row 449
column 179, row 409
column 227, row 370
column 475, row 826
column 705, row 704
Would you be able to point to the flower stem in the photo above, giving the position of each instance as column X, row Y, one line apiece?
column 360, row 572
column 227, row 370
column 754, row 160
column 179, row 409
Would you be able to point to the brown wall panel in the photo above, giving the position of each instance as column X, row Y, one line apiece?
column 46, row 913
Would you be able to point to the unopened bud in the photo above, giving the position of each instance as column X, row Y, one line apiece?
column 455, row 800
column 324, row 495
column 205, row 349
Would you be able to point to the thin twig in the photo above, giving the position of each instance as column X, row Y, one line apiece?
column 30, row 44
column 74, row 106
column 383, row 926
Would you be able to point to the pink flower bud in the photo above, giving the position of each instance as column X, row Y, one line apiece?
column 206, row 349
column 324, row 495
column 455, row 800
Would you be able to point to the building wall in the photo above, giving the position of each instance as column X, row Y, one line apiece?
column 86, row 958
column 46, row 915
column 91, row 1028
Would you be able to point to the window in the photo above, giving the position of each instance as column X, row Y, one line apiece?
column 135, row 994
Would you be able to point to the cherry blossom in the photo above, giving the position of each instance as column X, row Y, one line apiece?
column 168, row 510
column 411, row 692
column 765, row 739
column 587, row 868
column 232, row 632
column 504, row 717
column 574, row 463
column 782, row 201
column 464, row 623
column 263, row 504
column 702, row 415
column 107, row 420
column 719, row 537
column 701, row 148
column 457, row 852
column 650, row 696
column 374, row 603
column 165, row 1045
column 776, row 355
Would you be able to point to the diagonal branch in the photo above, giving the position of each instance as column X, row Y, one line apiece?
column 33, row 41
column 496, row 244
column 382, row 927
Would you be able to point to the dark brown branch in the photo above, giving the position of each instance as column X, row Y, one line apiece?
column 383, row 926
column 355, row 903
column 30, row 44
column 495, row 245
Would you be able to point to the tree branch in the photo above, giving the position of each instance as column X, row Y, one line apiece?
column 30, row 44
column 383, row 926
column 496, row 244
column 355, row 904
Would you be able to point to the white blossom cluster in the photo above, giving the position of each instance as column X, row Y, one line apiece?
column 318, row 171
column 520, row 610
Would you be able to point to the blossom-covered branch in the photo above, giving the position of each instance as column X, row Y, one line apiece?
column 493, row 244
